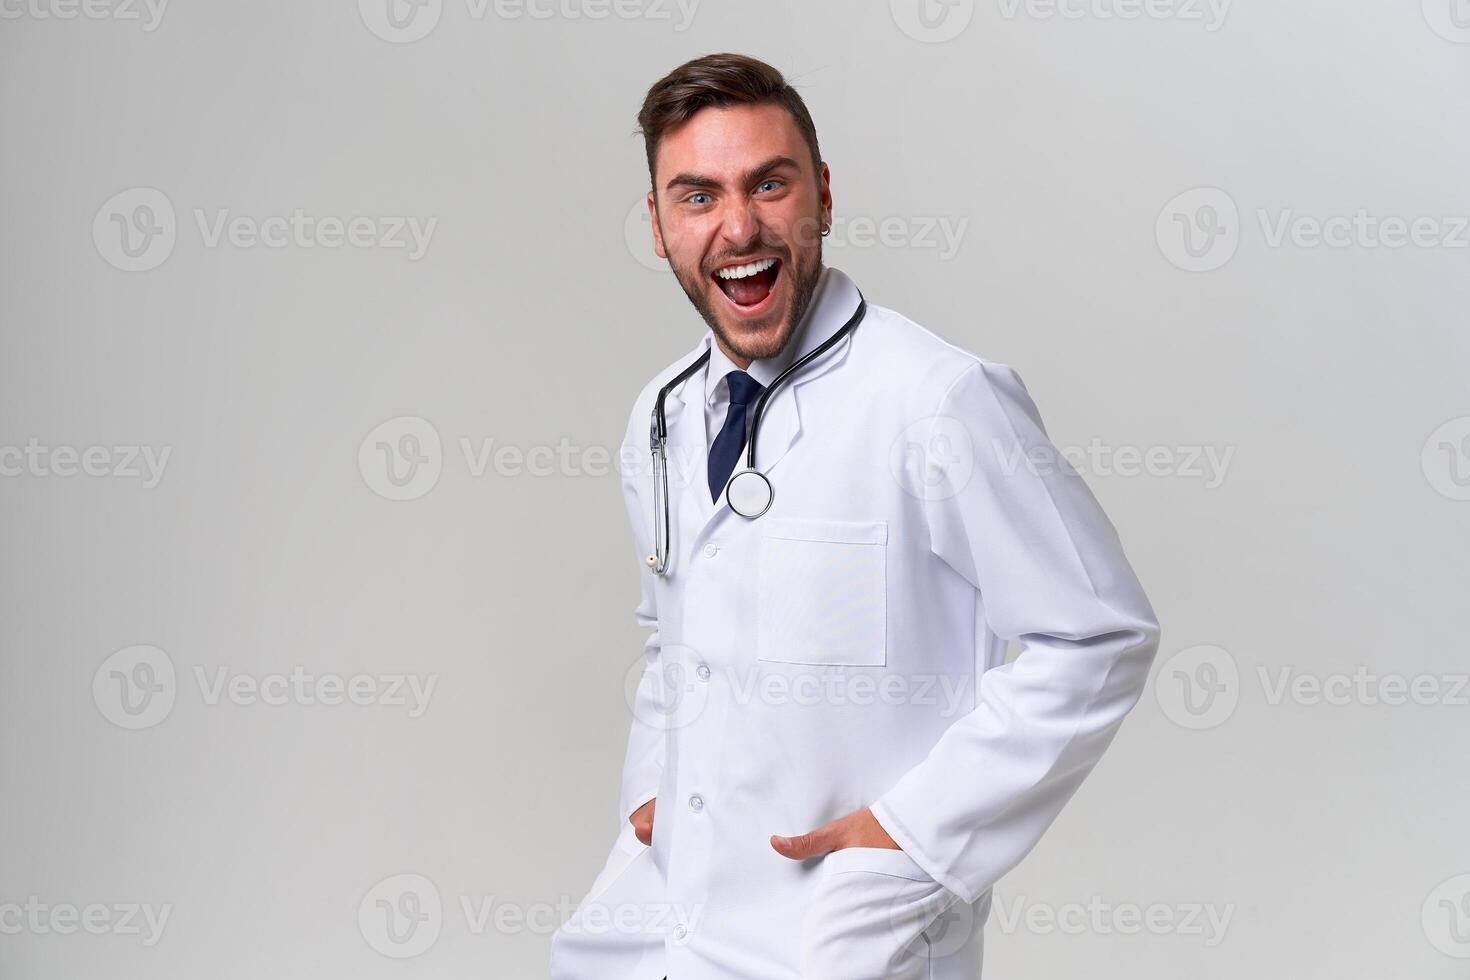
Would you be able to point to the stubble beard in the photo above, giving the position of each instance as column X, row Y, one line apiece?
column 803, row 288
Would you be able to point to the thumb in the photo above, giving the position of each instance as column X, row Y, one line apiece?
column 819, row 841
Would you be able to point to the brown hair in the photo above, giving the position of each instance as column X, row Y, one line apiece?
column 719, row 80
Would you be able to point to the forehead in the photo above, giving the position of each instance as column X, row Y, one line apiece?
column 724, row 142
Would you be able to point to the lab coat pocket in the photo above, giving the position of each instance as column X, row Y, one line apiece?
column 868, row 915
column 822, row 594
column 626, row 850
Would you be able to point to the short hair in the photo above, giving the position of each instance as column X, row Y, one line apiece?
column 719, row 80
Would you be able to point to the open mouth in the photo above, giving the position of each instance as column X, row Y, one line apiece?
column 749, row 286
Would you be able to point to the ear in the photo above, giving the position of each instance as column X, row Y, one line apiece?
column 658, row 235
column 824, row 188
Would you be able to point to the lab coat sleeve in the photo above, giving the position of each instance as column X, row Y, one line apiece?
column 1024, row 529
column 644, row 761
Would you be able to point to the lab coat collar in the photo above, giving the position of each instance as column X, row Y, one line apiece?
column 833, row 304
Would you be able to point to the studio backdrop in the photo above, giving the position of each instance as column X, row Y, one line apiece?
column 319, row 330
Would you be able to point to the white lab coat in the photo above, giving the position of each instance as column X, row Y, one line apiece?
column 848, row 649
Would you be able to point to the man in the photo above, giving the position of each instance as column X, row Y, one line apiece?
column 829, row 789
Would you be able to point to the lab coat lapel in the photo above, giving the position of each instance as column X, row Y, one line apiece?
column 689, row 447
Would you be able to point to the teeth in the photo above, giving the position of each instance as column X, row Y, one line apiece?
column 741, row 271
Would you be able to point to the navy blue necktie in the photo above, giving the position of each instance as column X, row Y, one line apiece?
column 724, row 452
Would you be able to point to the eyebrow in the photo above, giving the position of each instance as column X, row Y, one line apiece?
column 750, row 176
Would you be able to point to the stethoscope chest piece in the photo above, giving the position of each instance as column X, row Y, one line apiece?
column 749, row 493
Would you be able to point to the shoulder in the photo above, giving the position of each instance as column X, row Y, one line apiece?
column 906, row 358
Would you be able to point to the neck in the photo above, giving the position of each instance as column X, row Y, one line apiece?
column 741, row 362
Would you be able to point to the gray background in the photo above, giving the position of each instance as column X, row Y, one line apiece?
column 1329, row 833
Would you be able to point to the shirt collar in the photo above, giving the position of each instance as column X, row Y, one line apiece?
column 766, row 369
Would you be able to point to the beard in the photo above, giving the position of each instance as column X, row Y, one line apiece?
column 804, row 279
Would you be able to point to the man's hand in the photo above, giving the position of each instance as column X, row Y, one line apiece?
column 858, row 829
column 642, row 821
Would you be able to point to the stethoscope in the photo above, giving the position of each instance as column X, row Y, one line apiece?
column 749, row 492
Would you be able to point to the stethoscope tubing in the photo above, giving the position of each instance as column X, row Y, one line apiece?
column 659, row 430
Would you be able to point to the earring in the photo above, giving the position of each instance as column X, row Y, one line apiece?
column 826, row 230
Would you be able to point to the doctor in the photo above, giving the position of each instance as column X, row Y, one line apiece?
column 831, row 761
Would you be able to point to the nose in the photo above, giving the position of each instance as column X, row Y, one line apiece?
column 740, row 225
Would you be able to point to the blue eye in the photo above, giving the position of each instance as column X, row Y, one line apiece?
column 697, row 194
column 772, row 183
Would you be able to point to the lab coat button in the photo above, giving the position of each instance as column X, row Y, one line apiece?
column 696, row 803
column 703, row 671
column 711, row 549
column 680, row 932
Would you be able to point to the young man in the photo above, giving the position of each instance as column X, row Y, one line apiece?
column 830, row 788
